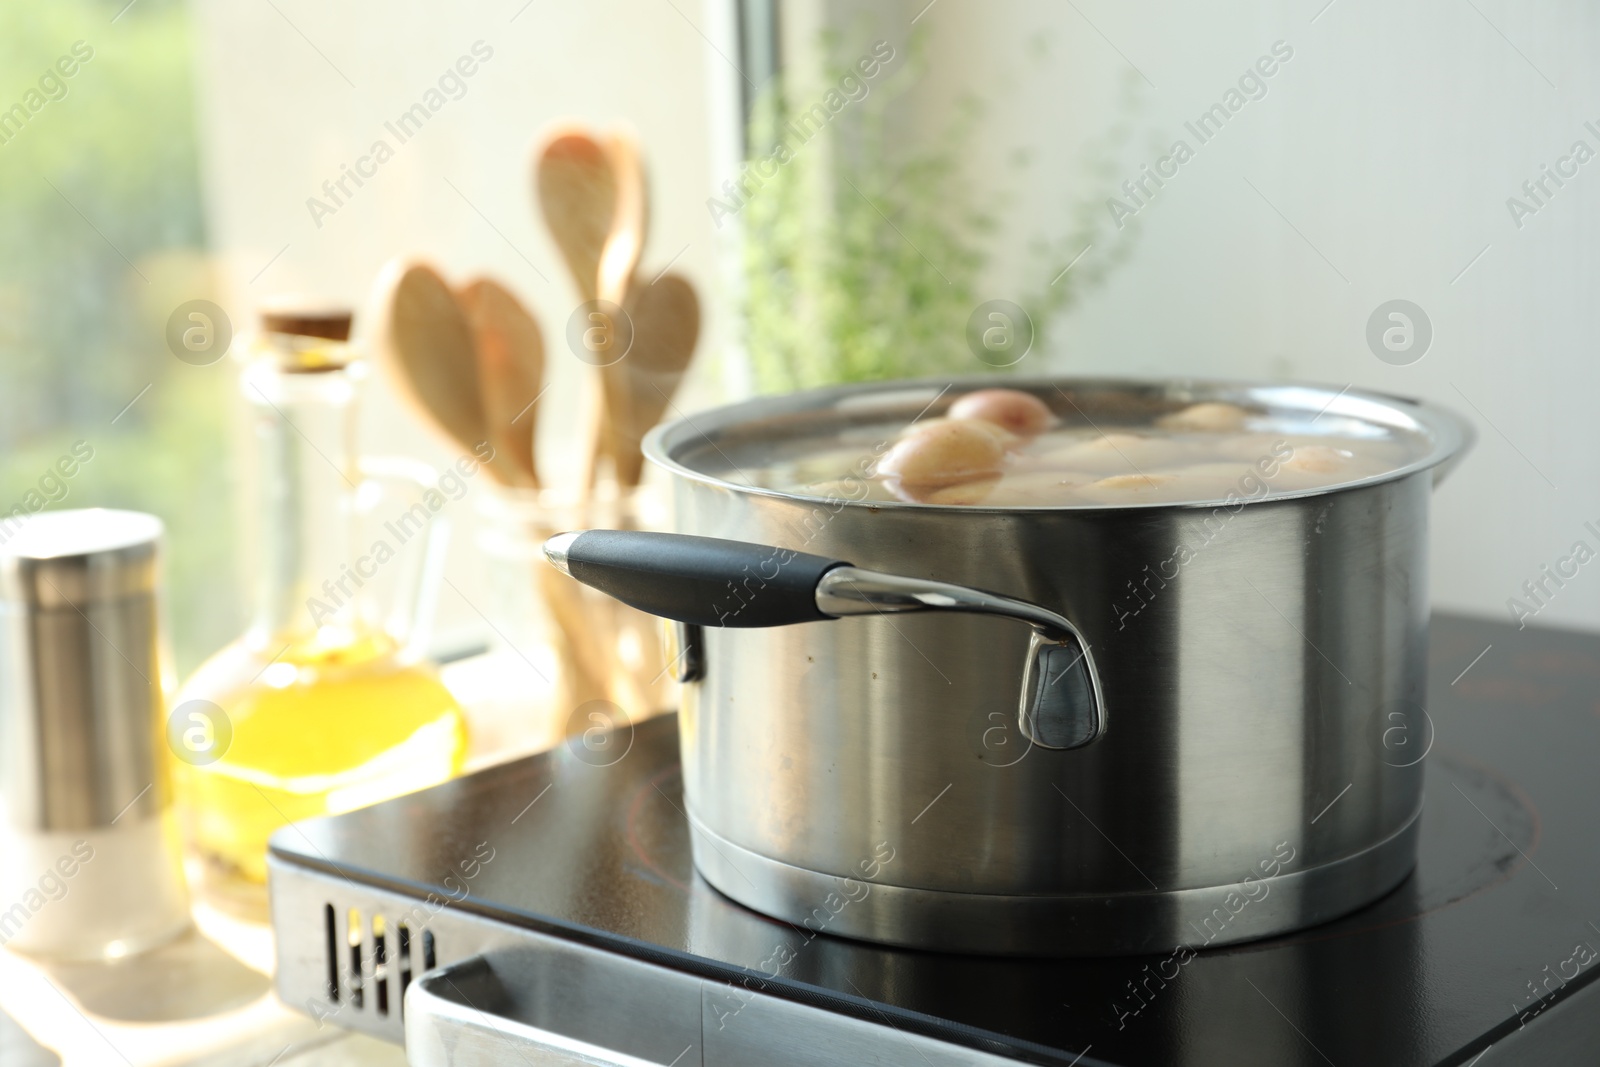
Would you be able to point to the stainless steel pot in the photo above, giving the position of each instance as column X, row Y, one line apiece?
column 1057, row 730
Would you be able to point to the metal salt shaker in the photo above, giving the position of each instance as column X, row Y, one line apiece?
column 90, row 865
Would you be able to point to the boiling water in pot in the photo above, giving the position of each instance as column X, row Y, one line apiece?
column 1007, row 448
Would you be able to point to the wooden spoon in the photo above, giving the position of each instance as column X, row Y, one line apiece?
column 639, row 387
column 425, row 343
column 510, row 352
column 630, row 219
column 610, row 415
column 577, row 193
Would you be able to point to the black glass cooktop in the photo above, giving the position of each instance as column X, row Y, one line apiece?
column 1486, row 955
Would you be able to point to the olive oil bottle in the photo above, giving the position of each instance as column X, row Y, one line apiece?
column 324, row 704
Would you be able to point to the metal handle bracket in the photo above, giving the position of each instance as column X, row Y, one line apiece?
column 1061, row 705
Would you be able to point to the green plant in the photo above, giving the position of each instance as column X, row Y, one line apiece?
column 858, row 265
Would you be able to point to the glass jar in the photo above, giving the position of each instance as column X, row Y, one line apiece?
column 566, row 653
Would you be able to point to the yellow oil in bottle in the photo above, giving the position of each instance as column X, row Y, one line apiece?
column 315, row 731
column 324, row 704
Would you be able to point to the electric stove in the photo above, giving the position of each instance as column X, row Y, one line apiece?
column 546, row 911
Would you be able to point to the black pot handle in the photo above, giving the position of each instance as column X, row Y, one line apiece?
column 706, row 581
